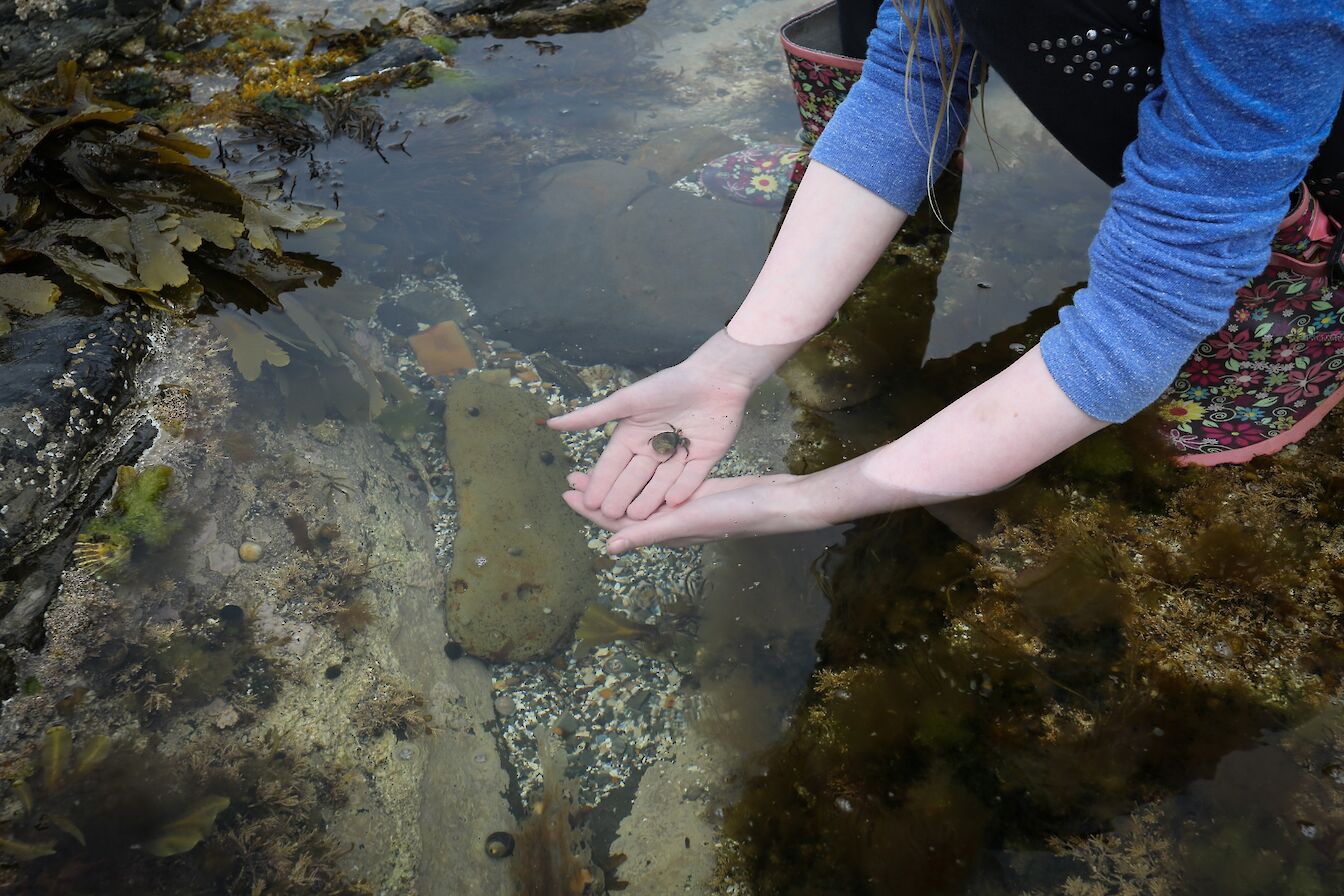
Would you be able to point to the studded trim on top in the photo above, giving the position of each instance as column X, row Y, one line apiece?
column 1327, row 186
column 1090, row 54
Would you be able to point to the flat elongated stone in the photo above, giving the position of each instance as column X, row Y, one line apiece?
column 442, row 350
column 522, row 572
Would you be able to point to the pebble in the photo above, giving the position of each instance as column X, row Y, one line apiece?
column 133, row 48
column 504, row 705
column 249, row 552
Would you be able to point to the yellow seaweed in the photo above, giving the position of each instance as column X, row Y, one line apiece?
column 26, row 852
column 55, row 755
column 181, row 835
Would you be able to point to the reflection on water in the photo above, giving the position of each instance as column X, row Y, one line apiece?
column 1123, row 688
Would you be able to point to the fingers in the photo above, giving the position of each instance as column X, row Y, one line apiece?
column 629, row 484
column 690, row 479
column 613, row 407
column 605, row 473
column 575, row 501
column 651, row 498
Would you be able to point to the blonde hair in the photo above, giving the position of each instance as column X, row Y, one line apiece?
column 938, row 17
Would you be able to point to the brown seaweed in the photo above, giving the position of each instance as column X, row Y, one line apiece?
column 552, row 856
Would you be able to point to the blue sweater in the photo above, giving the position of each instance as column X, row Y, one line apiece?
column 1249, row 91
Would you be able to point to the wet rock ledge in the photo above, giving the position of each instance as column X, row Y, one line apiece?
column 37, row 34
column 68, row 383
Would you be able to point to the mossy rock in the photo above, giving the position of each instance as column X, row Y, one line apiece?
column 522, row 572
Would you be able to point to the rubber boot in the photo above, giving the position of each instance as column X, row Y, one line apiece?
column 822, row 76
column 1275, row 369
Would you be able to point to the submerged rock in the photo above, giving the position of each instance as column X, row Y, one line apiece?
column 521, row 571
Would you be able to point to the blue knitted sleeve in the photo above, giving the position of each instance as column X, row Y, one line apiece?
column 1249, row 90
column 879, row 140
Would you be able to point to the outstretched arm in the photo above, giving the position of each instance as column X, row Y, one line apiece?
column 808, row 275
column 835, row 230
column 983, row 441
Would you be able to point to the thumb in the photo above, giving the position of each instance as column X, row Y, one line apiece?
column 668, row 527
column 613, row 407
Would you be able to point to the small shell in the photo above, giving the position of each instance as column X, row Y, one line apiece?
column 499, row 845
column 249, row 552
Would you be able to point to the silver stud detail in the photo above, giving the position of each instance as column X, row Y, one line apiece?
column 1077, row 40
column 1129, row 87
column 1113, row 70
column 1068, row 69
column 1146, row 14
column 1087, row 76
column 1108, row 83
column 1091, row 54
column 1092, row 34
column 1078, row 58
column 1148, row 88
column 1151, row 71
column 1133, row 71
column 1133, row 4
column 1033, row 46
column 1095, row 66
column 1061, row 44
column 1050, row 58
column 1106, row 48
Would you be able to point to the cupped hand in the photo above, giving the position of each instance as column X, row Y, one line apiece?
column 632, row 479
column 719, row 508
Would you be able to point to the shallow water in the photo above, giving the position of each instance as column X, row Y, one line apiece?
column 856, row 711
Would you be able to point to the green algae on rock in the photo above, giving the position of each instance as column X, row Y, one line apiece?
column 521, row 571
column 136, row 517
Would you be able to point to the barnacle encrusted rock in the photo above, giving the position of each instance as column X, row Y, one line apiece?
column 36, row 34
column 522, row 571
column 68, row 379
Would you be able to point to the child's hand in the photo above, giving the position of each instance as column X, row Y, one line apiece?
column 633, row 478
column 703, row 397
column 719, row 508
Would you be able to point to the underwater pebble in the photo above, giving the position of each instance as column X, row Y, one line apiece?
column 249, row 552
column 504, row 705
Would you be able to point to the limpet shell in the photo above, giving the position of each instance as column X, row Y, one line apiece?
column 249, row 552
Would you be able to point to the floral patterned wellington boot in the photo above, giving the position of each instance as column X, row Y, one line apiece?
column 1274, row 371
column 822, row 76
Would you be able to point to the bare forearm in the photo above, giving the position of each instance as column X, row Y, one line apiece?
column 983, row 441
column 834, row 232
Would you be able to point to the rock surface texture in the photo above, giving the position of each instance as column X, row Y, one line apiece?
column 37, row 34
column 521, row 571
column 68, row 379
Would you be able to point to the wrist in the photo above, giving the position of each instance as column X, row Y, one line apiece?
column 738, row 363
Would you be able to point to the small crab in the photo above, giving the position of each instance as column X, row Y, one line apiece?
column 667, row 443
